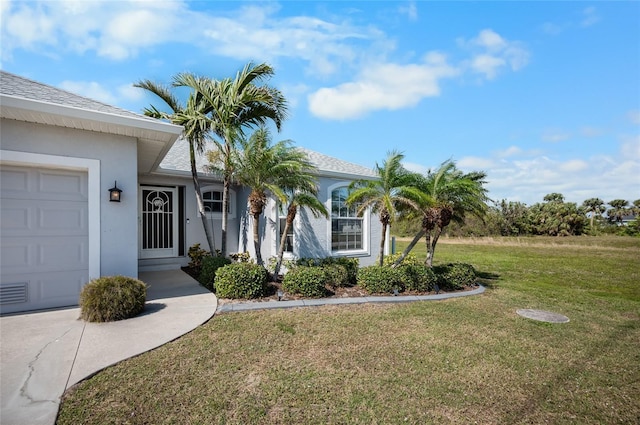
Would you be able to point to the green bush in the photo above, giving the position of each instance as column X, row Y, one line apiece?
column 377, row 279
column 111, row 298
column 455, row 276
column 196, row 255
column 418, row 277
column 306, row 281
column 208, row 270
column 337, row 275
column 241, row 280
column 350, row 264
column 410, row 259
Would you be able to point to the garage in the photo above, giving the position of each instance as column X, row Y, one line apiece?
column 44, row 237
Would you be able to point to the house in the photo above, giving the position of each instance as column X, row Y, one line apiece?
column 60, row 154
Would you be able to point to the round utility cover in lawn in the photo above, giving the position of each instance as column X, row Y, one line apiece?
column 542, row 316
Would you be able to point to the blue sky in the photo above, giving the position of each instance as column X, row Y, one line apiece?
column 543, row 96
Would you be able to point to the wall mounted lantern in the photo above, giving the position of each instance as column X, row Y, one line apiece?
column 114, row 193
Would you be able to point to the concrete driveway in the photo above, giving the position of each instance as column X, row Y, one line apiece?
column 44, row 353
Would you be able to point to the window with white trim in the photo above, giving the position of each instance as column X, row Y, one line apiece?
column 212, row 201
column 288, row 245
column 347, row 229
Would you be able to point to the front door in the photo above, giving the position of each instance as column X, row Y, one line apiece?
column 158, row 222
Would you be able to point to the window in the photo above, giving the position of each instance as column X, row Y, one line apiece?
column 288, row 245
column 346, row 226
column 212, row 201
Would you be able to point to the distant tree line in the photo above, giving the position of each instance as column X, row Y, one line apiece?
column 552, row 217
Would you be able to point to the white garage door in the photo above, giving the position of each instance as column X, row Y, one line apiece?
column 43, row 236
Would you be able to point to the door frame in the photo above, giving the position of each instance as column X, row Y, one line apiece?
column 175, row 213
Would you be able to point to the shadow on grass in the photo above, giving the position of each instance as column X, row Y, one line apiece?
column 488, row 279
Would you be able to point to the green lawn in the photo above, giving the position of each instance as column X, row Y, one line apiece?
column 467, row 360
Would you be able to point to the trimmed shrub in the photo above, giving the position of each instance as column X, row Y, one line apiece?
column 410, row 259
column 377, row 279
column 208, row 270
column 336, row 275
column 455, row 276
column 350, row 264
column 241, row 280
column 418, row 277
column 112, row 298
column 306, row 281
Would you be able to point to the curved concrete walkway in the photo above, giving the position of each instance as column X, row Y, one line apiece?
column 45, row 353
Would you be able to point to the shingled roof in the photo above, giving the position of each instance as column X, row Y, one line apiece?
column 178, row 159
column 17, row 86
column 30, row 101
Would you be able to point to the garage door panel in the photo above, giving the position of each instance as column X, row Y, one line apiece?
column 43, row 254
column 44, row 237
column 39, row 184
column 62, row 253
column 42, row 290
column 22, row 217
column 67, row 218
column 63, row 186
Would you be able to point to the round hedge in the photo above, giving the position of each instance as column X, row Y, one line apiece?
column 381, row 279
column 241, row 280
column 418, row 277
column 208, row 270
column 306, row 281
column 112, row 298
column 455, row 276
column 337, row 275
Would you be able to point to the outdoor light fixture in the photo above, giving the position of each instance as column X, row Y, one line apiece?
column 280, row 294
column 437, row 288
column 395, row 292
column 114, row 193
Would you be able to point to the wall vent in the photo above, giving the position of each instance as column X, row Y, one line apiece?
column 14, row 293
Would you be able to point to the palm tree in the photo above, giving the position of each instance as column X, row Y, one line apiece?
column 594, row 207
column 619, row 209
column 232, row 106
column 270, row 170
column 450, row 195
column 196, row 126
column 298, row 199
column 394, row 186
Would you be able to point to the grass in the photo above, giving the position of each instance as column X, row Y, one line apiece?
column 460, row 361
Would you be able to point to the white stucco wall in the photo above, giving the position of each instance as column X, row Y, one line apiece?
column 117, row 156
column 312, row 236
column 194, row 230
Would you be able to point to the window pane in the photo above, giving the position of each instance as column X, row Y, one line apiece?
column 288, row 247
column 346, row 226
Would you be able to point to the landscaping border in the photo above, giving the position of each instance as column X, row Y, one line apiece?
column 247, row 306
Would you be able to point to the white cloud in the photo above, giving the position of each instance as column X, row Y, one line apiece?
column 589, row 17
column 89, row 89
column 474, row 163
column 416, row 168
column 491, row 53
column 510, row 151
column 551, row 28
column 487, row 65
column 555, row 135
column 410, row 10
column 387, row 86
column 634, row 117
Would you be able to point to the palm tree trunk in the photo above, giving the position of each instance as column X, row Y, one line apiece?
column 432, row 247
column 196, row 184
column 283, row 241
column 408, row 249
column 226, row 183
column 256, row 238
column 382, row 240
column 427, row 241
